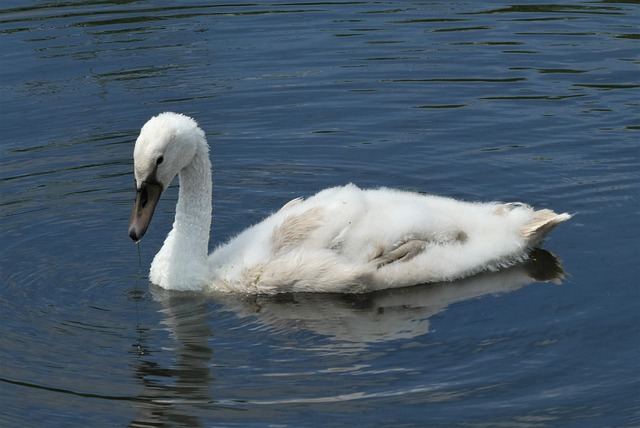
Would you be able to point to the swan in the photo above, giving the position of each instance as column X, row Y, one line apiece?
column 342, row 239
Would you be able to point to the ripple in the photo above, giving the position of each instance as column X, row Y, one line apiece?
column 529, row 101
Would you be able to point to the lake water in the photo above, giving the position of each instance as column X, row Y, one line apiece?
column 478, row 100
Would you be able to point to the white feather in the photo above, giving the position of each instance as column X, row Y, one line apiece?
column 343, row 239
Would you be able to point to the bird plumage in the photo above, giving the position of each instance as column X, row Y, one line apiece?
column 342, row 239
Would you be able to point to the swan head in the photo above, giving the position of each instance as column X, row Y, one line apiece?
column 167, row 143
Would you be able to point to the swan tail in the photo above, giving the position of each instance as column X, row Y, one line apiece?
column 543, row 221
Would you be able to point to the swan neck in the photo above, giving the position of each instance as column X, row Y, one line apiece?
column 181, row 263
column 193, row 211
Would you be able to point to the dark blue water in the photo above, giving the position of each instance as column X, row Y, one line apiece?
column 477, row 100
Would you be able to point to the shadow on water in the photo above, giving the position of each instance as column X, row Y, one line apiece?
column 177, row 394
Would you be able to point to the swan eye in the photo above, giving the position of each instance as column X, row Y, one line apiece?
column 160, row 160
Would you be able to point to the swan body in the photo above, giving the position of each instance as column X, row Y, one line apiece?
column 342, row 239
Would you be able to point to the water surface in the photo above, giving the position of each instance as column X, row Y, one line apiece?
column 477, row 100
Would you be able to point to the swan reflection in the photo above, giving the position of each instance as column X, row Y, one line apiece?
column 387, row 314
column 178, row 393
column 173, row 393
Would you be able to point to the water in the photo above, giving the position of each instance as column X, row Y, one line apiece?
column 477, row 100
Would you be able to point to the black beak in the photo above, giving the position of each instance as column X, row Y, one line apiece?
column 147, row 197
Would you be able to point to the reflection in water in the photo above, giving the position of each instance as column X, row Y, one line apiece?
column 171, row 394
column 174, row 394
column 387, row 314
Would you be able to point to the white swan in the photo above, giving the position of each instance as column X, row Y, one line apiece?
column 343, row 239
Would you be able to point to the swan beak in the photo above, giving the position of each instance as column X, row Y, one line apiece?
column 147, row 197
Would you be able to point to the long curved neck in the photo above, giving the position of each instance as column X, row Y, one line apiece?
column 193, row 211
column 181, row 263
